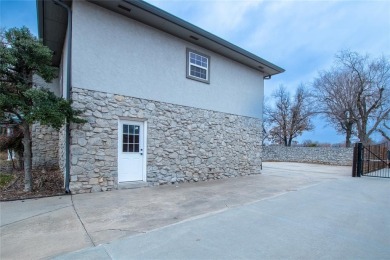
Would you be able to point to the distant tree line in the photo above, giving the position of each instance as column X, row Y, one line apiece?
column 353, row 96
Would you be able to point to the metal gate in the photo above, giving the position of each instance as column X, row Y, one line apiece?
column 371, row 160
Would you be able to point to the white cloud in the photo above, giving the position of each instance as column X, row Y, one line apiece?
column 225, row 17
column 303, row 37
column 300, row 36
column 220, row 17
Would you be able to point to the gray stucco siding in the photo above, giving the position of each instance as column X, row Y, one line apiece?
column 115, row 54
column 63, row 70
column 53, row 86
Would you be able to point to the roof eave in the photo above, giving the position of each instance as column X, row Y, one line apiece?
column 208, row 41
column 40, row 18
column 197, row 30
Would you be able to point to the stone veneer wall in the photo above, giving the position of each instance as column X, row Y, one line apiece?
column 323, row 155
column 61, row 149
column 184, row 144
column 44, row 146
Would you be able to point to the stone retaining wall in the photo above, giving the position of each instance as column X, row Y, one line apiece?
column 44, row 146
column 184, row 144
column 323, row 155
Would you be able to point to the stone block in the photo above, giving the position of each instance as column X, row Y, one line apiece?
column 93, row 181
column 96, row 188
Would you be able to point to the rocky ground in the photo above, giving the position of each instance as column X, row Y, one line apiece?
column 45, row 183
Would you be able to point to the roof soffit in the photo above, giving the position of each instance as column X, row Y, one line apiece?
column 52, row 22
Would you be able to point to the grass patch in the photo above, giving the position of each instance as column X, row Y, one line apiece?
column 5, row 179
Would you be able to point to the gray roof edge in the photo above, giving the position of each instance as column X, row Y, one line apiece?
column 178, row 21
column 182, row 23
column 40, row 18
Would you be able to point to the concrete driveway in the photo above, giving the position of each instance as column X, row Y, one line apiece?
column 130, row 220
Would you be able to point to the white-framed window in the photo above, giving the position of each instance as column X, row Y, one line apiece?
column 198, row 66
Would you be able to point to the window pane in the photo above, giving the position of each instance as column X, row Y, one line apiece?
column 198, row 65
column 203, row 73
column 193, row 69
column 131, row 138
column 125, row 138
column 131, row 129
column 198, row 60
column 198, row 72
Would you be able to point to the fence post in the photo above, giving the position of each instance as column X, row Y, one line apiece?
column 354, row 161
column 359, row 166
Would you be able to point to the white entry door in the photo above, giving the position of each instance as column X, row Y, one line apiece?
column 130, row 151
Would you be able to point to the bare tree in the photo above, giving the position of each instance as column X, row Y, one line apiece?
column 372, row 79
column 385, row 131
column 289, row 117
column 334, row 91
column 355, row 94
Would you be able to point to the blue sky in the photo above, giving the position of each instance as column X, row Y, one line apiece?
column 299, row 36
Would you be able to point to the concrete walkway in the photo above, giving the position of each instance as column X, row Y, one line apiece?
column 224, row 211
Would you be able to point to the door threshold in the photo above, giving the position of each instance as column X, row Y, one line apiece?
column 133, row 185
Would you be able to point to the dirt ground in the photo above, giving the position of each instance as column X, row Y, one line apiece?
column 45, row 184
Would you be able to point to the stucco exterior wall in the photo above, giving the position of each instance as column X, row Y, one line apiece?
column 115, row 54
column 63, row 70
column 53, row 86
column 184, row 144
column 322, row 155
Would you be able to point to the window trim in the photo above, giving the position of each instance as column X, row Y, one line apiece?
column 188, row 75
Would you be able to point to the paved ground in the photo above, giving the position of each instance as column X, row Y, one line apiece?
column 291, row 210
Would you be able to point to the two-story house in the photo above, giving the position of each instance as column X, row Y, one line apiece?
column 164, row 100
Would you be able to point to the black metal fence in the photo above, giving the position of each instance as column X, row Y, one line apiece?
column 371, row 160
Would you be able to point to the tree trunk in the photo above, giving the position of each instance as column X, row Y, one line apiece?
column 27, row 156
column 348, row 139
column 363, row 132
column 20, row 160
column 348, row 134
